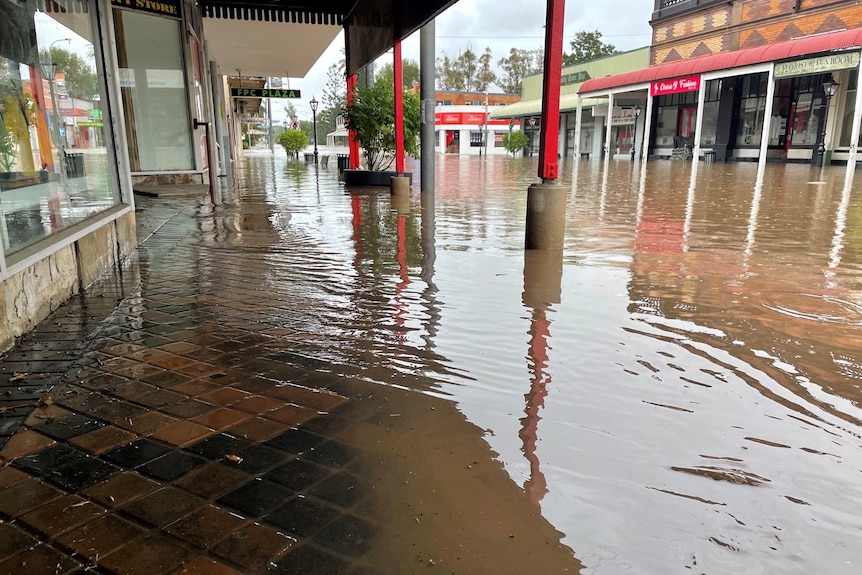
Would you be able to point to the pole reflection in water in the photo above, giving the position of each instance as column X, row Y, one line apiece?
column 543, row 273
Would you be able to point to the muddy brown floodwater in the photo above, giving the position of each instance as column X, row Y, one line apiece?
column 677, row 392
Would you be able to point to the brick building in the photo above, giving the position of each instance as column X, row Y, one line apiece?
column 745, row 78
column 463, row 124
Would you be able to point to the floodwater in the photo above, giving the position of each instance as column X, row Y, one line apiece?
column 677, row 391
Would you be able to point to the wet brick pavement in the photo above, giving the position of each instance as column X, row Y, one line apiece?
column 177, row 432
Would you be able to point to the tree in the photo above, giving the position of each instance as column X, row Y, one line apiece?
column 518, row 65
column 290, row 111
column 293, row 141
column 588, row 46
column 333, row 98
column 409, row 73
column 485, row 75
column 371, row 115
column 515, row 141
column 81, row 81
column 466, row 72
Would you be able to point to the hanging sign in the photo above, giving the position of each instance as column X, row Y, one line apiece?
column 170, row 8
column 675, row 86
column 264, row 93
column 817, row 65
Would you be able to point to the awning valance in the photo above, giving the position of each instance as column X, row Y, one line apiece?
column 568, row 103
column 816, row 44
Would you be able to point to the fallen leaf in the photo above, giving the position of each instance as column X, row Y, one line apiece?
column 233, row 458
column 45, row 400
column 18, row 377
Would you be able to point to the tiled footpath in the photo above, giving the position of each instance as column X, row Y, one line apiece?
column 170, row 439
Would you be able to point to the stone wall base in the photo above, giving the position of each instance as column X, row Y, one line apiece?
column 31, row 295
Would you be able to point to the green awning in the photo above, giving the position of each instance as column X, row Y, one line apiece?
column 568, row 103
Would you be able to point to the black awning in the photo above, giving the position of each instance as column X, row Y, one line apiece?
column 326, row 12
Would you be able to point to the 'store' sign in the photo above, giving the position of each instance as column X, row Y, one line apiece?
column 675, row 86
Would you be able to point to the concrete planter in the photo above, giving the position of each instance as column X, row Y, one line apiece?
column 380, row 179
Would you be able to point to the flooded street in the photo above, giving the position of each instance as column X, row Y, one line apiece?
column 677, row 392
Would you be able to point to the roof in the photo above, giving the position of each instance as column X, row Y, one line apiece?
column 568, row 102
column 770, row 53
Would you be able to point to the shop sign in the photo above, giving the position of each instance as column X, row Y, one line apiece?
column 623, row 116
column 675, row 86
column 467, row 119
column 253, row 120
column 170, row 8
column 95, row 115
column 817, row 65
column 533, row 124
column 90, row 124
column 264, row 93
column 575, row 78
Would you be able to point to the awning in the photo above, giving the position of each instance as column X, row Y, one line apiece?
column 568, row 103
column 370, row 25
column 770, row 53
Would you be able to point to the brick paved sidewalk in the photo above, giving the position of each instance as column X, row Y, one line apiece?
column 174, row 440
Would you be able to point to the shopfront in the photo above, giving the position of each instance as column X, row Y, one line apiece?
column 65, row 195
column 163, row 88
column 58, row 164
column 794, row 101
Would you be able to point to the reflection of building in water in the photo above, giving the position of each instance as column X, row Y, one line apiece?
column 771, row 308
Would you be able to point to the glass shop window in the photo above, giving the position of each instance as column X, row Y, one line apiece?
column 57, row 166
column 154, row 91
column 752, row 109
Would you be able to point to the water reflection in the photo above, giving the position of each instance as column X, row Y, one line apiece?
column 679, row 388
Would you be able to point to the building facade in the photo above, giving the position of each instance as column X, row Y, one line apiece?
column 743, row 79
column 463, row 123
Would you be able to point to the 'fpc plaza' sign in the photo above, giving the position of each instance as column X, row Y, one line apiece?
column 264, row 93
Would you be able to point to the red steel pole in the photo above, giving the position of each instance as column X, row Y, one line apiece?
column 399, row 105
column 550, row 123
column 351, row 135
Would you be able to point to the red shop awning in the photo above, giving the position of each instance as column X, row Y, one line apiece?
column 724, row 61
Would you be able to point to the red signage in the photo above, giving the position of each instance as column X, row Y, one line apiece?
column 468, row 119
column 675, row 86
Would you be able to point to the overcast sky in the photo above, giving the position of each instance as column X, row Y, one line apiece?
column 500, row 25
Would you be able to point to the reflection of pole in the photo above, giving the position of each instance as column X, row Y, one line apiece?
column 61, row 144
column 269, row 118
column 543, row 273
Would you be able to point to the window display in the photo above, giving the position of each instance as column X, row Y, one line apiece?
column 55, row 161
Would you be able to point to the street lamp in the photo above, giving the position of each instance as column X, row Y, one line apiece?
column 635, row 130
column 830, row 88
column 313, row 104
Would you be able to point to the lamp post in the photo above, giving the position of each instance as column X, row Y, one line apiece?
column 635, row 130
column 313, row 104
column 830, row 88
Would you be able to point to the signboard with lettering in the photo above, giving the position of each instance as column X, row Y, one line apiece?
column 817, row 65
column 467, row 118
column 264, row 93
column 575, row 78
column 171, row 8
column 675, row 86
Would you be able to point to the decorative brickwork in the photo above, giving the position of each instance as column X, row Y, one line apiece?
column 749, row 24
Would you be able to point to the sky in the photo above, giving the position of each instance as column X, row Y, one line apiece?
column 501, row 25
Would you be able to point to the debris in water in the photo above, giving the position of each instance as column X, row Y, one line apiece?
column 234, row 458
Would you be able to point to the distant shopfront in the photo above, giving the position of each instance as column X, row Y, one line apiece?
column 809, row 108
column 463, row 130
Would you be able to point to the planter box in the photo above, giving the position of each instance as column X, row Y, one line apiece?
column 378, row 179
